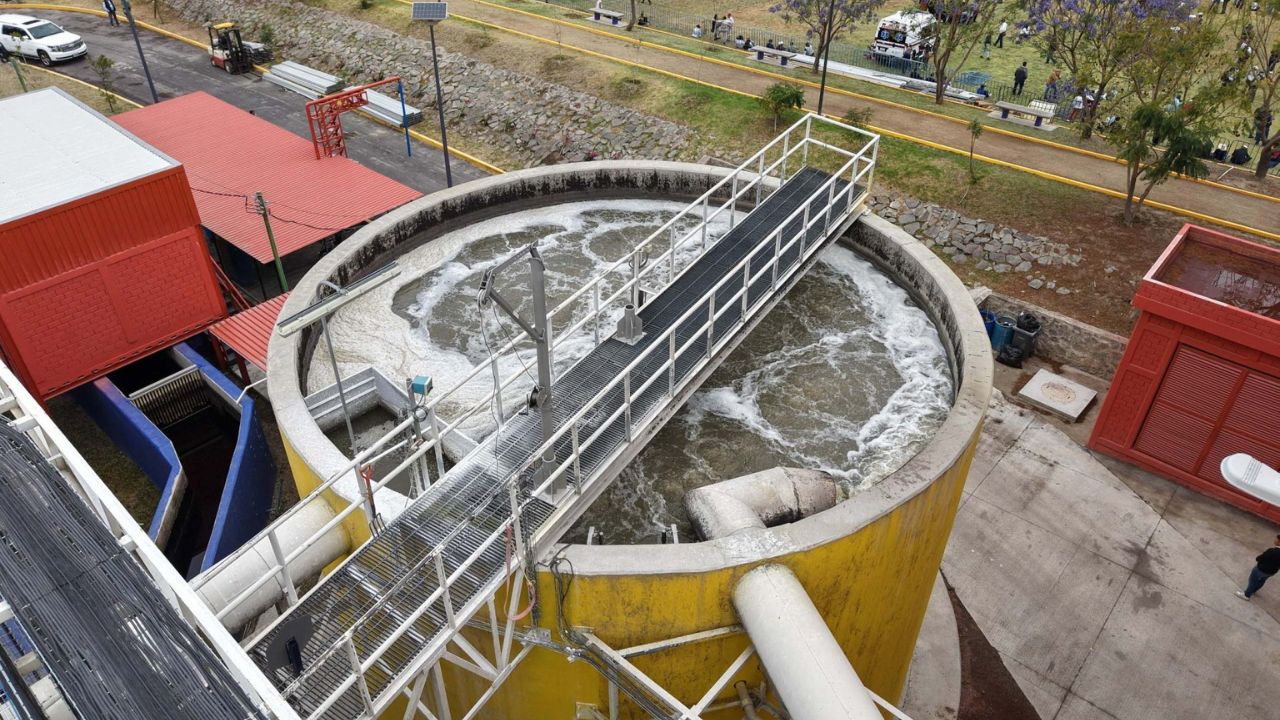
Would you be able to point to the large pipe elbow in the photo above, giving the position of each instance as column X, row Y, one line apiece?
column 759, row 500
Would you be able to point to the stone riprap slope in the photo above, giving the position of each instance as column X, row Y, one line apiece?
column 530, row 119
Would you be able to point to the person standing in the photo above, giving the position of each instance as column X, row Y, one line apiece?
column 110, row 7
column 1019, row 78
column 986, row 47
column 1051, row 86
column 1004, row 28
column 1267, row 564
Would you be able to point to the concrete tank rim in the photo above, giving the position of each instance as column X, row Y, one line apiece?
column 946, row 448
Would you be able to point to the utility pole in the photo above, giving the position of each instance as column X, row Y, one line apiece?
column 133, row 27
column 444, row 134
column 828, row 33
column 271, row 237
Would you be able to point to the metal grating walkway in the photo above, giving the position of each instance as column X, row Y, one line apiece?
column 392, row 578
column 114, row 644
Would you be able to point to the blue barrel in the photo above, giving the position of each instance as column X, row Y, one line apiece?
column 1003, row 332
column 989, row 320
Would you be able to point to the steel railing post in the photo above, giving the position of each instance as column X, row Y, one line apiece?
column 777, row 257
column 671, row 267
column 671, row 371
column 497, row 389
column 515, row 522
column 786, row 150
column 285, row 576
column 804, row 153
column 733, row 201
column 635, row 280
column 804, row 232
column 595, row 303
column 443, row 580
column 759, row 179
column 711, row 322
column 437, row 439
column 831, row 198
column 354, row 658
column 746, row 289
column 705, row 219
column 626, row 396
column 577, row 461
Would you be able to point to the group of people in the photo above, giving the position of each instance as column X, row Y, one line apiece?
column 722, row 31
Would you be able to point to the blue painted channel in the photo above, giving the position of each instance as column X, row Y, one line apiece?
column 244, row 500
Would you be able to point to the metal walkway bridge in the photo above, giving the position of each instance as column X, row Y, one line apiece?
column 375, row 628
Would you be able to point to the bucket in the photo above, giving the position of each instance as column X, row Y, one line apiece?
column 989, row 320
column 1002, row 332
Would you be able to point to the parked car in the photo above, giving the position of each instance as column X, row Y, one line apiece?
column 38, row 39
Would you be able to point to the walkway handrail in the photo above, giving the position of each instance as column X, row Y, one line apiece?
column 32, row 419
column 857, row 166
column 755, row 167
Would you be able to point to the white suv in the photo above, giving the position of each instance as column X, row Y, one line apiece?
column 38, row 39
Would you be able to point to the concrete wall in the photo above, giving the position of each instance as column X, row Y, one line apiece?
column 868, row 563
column 1065, row 340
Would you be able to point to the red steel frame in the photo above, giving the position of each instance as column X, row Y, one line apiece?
column 324, row 116
column 1171, row 317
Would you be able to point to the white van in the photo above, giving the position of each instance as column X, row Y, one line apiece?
column 903, row 34
column 38, row 39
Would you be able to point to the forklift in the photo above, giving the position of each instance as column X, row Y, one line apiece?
column 229, row 52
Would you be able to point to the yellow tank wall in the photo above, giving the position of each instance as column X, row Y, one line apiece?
column 306, row 481
column 872, row 586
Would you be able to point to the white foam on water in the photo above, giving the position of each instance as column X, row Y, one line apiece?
column 875, row 344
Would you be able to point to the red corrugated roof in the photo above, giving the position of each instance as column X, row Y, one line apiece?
column 249, row 332
column 229, row 155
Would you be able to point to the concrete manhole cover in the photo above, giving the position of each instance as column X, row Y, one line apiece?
column 1057, row 392
column 1058, row 395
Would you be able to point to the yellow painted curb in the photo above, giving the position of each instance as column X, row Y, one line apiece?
column 471, row 159
column 78, row 81
column 840, row 91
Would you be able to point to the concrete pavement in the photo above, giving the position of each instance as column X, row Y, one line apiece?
column 1108, row 592
column 179, row 68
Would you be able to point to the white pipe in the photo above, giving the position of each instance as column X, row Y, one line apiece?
column 808, row 667
column 763, row 499
column 223, row 582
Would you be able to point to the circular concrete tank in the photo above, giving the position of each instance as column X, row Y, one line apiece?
column 868, row 563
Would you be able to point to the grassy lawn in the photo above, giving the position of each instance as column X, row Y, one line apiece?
column 39, row 78
column 1002, row 61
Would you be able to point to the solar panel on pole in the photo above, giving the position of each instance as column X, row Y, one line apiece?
column 430, row 11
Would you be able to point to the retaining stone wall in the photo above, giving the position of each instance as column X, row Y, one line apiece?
column 532, row 120
column 965, row 239
column 1067, row 341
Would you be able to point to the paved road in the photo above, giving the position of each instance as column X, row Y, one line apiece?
column 178, row 68
column 1206, row 199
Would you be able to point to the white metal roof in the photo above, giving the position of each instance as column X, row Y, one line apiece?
column 57, row 149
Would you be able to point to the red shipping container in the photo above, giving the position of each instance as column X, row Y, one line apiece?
column 102, row 259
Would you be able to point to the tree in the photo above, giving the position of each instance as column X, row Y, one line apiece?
column 975, row 132
column 780, row 97
column 960, row 26
column 1176, row 62
column 631, row 21
column 104, row 67
column 814, row 16
column 1259, row 75
column 1099, row 40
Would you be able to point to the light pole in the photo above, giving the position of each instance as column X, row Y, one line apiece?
column 133, row 28
column 826, row 52
column 434, row 13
